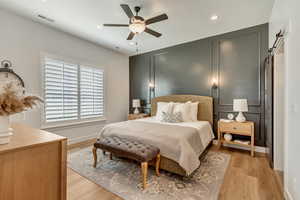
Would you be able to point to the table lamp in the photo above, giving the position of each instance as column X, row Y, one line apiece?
column 240, row 105
column 136, row 103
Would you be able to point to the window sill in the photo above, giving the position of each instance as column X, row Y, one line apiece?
column 72, row 124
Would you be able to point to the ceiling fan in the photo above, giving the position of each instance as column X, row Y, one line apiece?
column 138, row 24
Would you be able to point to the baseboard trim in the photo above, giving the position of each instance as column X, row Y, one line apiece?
column 287, row 195
column 83, row 144
column 256, row 149
column 82, row 139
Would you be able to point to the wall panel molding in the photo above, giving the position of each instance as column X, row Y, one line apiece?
column 240, row 37
column 190, row 67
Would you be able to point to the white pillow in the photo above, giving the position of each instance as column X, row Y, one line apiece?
column 166, row 107
column 184, row 109
column 188, row 110
column 193, row 111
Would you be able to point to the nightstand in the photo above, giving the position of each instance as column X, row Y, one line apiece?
column 236, row 128
column 137, row 116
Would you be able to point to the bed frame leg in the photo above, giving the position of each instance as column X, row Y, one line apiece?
column 144, row 167
column 157, row 164
column 95, row 157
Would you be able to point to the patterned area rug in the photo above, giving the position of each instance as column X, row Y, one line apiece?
column 123, row 177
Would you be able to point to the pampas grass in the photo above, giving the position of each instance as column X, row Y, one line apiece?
column 12, row 102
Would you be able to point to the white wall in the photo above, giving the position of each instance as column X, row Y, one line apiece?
column 23, row 42
column 286, row 16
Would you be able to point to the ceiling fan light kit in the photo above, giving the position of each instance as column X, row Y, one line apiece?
column 138, row 24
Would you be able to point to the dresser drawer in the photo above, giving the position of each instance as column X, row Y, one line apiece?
column 245, row 128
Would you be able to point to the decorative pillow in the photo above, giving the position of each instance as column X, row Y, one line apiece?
column 184, row 109
column 171, row 117
column 166, row 107
column 193, row 111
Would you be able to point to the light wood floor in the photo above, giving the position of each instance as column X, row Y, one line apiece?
column 246, row 178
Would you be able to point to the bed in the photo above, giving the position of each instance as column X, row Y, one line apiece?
column 181, row 144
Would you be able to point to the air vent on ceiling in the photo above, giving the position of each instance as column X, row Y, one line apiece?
column 46, row 18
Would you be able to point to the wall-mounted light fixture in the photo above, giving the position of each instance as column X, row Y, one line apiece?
column 214, row 83
column 151, row 86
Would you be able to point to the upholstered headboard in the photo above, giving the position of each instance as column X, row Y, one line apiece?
column 205, row 107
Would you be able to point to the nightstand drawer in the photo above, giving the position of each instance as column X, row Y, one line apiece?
column 236, row 127
column 137, row 116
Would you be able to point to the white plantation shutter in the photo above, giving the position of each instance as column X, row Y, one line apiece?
column 72, row 92
column 91, row 92
column 61, row 91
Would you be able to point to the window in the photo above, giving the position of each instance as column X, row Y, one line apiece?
column 91, row 92
column 72, row 92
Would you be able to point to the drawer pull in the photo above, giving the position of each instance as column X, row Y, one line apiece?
column 234, row 128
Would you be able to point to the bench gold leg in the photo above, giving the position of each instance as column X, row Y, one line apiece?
column 144, row 167
column 157, row 164
column 95, row 156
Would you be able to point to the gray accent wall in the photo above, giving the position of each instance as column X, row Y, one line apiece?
column 235, row 60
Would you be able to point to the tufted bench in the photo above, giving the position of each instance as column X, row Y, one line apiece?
column 129, row 148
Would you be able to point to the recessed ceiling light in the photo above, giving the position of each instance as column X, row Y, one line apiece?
column 131, row 43
column 99, row 26
column 44, row 1
column 214, row 17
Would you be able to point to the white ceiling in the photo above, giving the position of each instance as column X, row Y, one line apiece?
column 188, row 19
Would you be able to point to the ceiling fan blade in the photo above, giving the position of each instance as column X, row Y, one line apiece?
column 127, row 10
column 130, row 36
column 116, row 25
column 152, row 32
column 156, row 19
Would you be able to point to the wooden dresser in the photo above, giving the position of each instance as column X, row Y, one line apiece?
column 33, row 165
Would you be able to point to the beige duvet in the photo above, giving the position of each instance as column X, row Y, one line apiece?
column 182, row 142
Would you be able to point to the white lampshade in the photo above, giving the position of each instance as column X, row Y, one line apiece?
column 240, row 105
column 136, row 103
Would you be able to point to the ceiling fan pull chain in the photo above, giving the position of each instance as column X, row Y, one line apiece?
column 136, row 46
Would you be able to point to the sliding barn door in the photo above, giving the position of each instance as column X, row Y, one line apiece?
column 269, row 77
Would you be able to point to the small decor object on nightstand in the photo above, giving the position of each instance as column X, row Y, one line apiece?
column 226, row 120
column 228, row 137
column 136, row 103
column 230, row 116
column 240, row 105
